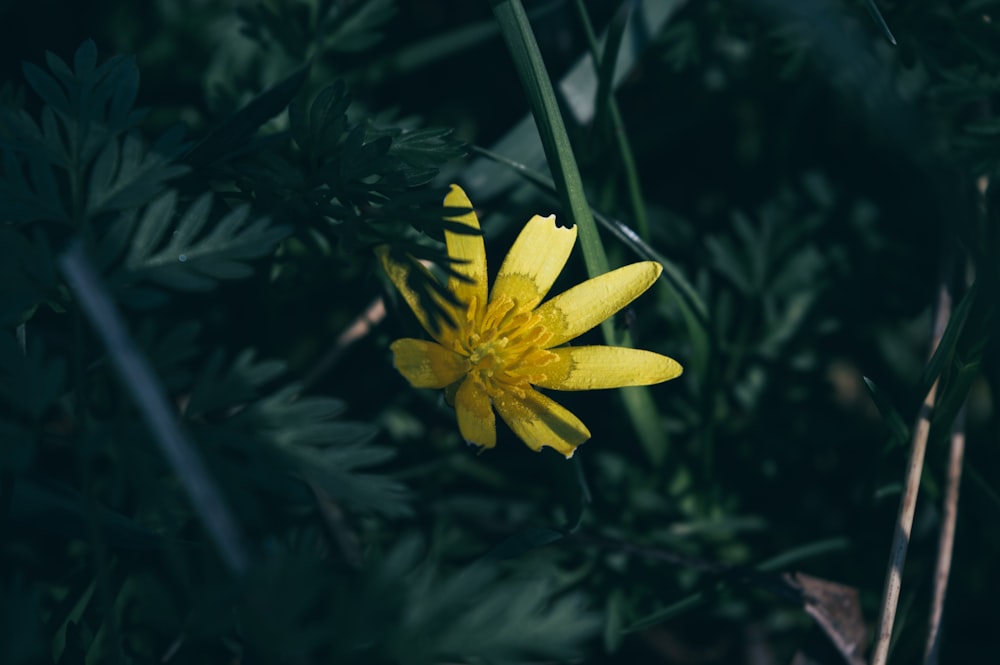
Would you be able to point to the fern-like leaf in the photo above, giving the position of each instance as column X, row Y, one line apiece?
column 303, row 435
column 189, row 258
column 126, row 174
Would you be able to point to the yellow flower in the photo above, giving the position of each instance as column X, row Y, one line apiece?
column 502, row 344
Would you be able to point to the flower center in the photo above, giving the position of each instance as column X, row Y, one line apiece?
column 508, row 346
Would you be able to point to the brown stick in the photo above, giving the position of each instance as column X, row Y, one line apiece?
column 356, row 330
column 908, row 502
column 946, row 540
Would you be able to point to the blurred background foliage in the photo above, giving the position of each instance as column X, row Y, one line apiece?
column 812, row 182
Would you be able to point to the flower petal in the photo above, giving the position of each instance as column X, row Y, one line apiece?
column 596, row 367
column 399, row 274
column 534, row 261
column 476, row 421
column 577, row 310
column 540, row 421
column 426, row 364
column 469, row 252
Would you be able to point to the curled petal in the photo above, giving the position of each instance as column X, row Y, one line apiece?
column 426, row 364
column 469, row 254
column 533, row 263
column 596, row 367
column 577, row 310
column 540, row 421
column 476, row 421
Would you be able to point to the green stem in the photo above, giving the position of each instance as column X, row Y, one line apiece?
column 523, row 47
column 527, row 57
column 625, row 154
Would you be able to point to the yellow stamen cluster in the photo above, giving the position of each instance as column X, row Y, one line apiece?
column 508, row 347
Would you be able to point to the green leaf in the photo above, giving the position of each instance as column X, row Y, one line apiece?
column 46, row 87
column 85, row 59
column 235, row 132
column 473, row 613
column 304, row 433
column 224, row 383
column 319, row 132
column 23, row 201
column 191, row 259
column 335, row 456
column 356, row 26
column 900, row 432
column 126, row 174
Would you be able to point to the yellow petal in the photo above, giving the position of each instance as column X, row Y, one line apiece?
column 469, row 252
column 577, row 310
column 476, row 421
column 540, row 421
column 596, row 367
column 399, row 273
column 426, row 364
column 534, row 261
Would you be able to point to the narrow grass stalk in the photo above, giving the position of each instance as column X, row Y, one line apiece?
column 908, row 501
column 946, row 539
column 138, row 377
column 527, row 57
column 604, row 62
column 520, row 40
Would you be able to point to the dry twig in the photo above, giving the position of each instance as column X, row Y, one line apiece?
column 908, row 502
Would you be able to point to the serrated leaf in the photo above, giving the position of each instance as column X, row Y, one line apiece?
column 22, row 201
column 220, row 385
column 358, row 27
column 474, row 612
column 234, row 133
column 189, row 259
column 128, row 175
column 85, row 59
column 150, row 230
column 333, row 455
column 46, row 87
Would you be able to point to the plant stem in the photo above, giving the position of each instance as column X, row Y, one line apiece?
column 625, row 154
column 908, row 501
column 527, row 57
column 946, row 539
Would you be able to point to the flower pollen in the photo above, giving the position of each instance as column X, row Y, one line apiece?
column 508, row 347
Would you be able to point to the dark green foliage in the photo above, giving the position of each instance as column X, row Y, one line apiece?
column 807, row 185
column 168, row 223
